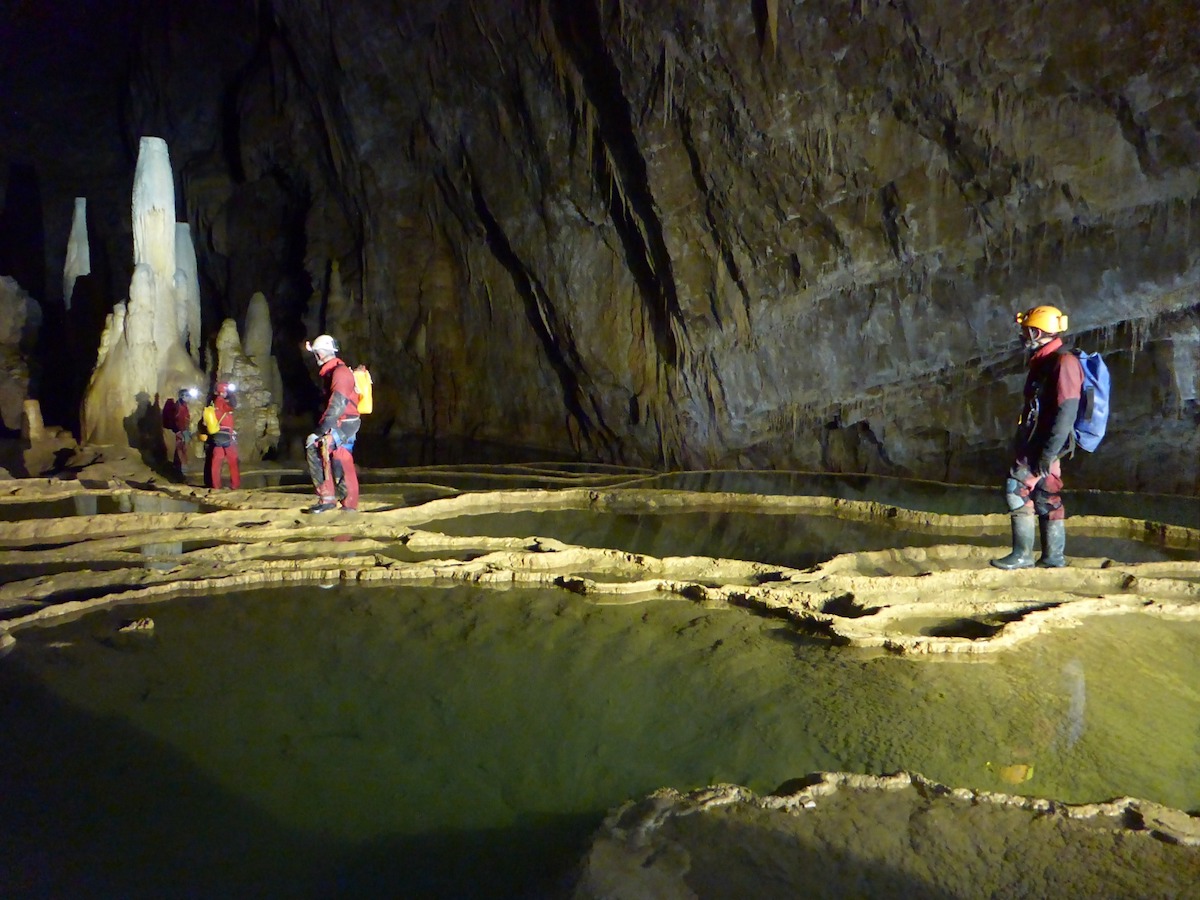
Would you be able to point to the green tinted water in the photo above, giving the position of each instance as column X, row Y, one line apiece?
column 461, row 742
column 781, row 539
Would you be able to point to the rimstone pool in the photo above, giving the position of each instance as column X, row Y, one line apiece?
column 446, row 694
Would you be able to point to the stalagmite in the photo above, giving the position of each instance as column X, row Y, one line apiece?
column 79, row 255
column 142, row 358
column 187, row 290
column 257, row 415
column 257, row 345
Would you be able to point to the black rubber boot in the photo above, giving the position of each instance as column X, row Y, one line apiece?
column 1054, row 542
column 1022, row 545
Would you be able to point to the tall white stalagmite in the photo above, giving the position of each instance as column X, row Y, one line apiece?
column 79, row 254
column 143, row 359
column 187, row 290
column 154, row 208
column 154, row 233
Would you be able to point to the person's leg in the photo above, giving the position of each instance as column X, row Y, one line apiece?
column 1048, row 503
column 1017, row 494
column 316, row 465
column 347, row 476
column 214, row 466
column 235, row 476
column 320, row 472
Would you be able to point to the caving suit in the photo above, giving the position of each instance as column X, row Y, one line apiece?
column 1053, row 389
column 223, row 444
column 333, row 475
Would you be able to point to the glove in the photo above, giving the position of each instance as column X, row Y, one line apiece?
column 1042, row 468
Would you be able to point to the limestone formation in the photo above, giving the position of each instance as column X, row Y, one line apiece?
column 257, row 413
column 79, row 255
column 257, row 345
column 704, row 234
column 839, row 834
column 142, row 359
column 187, row 291
column 822, row 835
column 20, row 319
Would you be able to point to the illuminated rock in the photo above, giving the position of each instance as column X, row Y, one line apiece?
column 79, row 256
column 20, row 319
column 187, row 290
column 257, row 414
column 143, row 359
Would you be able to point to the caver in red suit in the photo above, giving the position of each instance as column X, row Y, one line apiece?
column 223, row 444
column 330, row 449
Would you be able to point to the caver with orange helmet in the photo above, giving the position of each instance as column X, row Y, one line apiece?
column 1040, row 324
column 1053, row 389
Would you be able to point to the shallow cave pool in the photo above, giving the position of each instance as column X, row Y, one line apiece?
column 461, row 741
column 218, row 696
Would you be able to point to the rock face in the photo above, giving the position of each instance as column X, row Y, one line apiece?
column 768, row 234
column 20, row 318
column 686, row 235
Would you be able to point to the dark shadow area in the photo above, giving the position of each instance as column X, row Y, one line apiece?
column 536, row 859
column 742, row 859
column 22, row 231
column 90, row 306
column 143, row 428
column 970, row 629
column 96, row 808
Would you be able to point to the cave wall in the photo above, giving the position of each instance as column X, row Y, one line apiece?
column 760, row 233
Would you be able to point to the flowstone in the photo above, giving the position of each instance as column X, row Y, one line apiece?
column 843, row 835
column 828, row 835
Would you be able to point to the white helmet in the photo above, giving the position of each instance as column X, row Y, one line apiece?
column 323, row 344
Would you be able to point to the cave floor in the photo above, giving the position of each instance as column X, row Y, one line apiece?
column 116, row 534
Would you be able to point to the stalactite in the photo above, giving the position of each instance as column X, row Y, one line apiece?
column 772, row 26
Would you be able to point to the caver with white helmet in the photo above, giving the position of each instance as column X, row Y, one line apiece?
column 329, row 449
column 324, row 346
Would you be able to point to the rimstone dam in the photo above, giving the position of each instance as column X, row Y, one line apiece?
column 696, row 372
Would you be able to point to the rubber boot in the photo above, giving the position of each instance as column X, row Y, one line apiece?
column 1022, row 545
column 1054, row 541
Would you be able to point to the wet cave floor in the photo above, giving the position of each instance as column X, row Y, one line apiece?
column 549, row 680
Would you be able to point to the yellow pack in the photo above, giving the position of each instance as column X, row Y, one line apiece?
column 211, row 425
column 362, row 385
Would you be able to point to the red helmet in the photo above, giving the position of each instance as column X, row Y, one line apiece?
column 225, row 387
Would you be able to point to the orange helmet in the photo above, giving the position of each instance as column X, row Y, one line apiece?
column 1049, row 319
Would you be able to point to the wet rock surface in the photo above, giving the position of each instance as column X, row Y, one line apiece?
column 135, row 541
column 898, row 836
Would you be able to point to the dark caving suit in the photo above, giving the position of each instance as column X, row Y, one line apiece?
column 1053, row 389
column 177, row 418
column 330, row 449
column 1052, row 394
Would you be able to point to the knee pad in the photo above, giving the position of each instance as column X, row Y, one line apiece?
column 1046, row 504
column 1012, row 494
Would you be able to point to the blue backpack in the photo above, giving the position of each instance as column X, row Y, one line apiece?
column 1092, row 418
